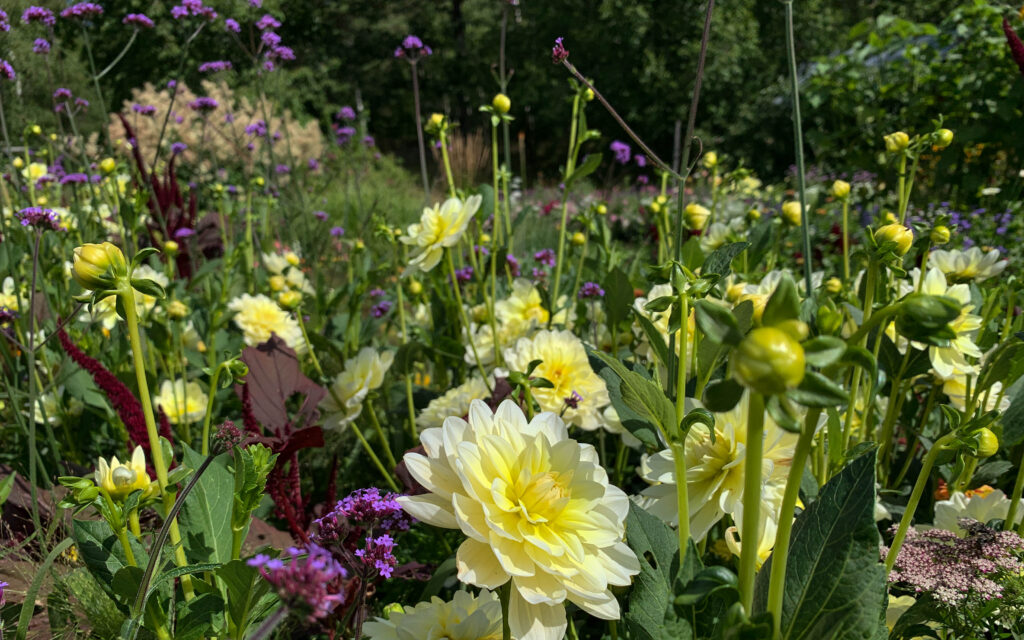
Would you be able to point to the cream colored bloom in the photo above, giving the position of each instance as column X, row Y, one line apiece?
column 714, row 236
column 483, row 340
column 439, row 227
column 715, row 470
column 956, row 388
column 982, row 504
column 361, row 375
column 275, row 263
column 120, row 479
column 973, row 264
column 537, row 509
column 9, row 295
column 454, row 402
column 259, row 316
column 465, row 617
column 181, row 402
column 523, row 305
column 952, row 358
column 564, row 362
column 771, row 502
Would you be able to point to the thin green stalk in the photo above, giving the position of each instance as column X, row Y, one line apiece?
column 1018, row 490
column 846, row 241
column 750, row 527
column 447, row 163
column 901, row 183
column 504, row 594
column 408, row 378
column 799, row 142
column 569, row 167
column 309, row 345
column 205, row 444
column 905, row 202
column 780, row 555
column 380, row 434
column 464, row 318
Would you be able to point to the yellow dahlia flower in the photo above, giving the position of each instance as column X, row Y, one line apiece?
column 439, row 227
column 983, row 504
column 523, row 305
column 715, row 470
column 973, row 264
column 259, row 316
column 465, row 617
column 181, row 402
column 120, row 479
column 537, row 508
column 361, row 375
column 660, row 320
column 455, row 402
column 952, row 358
column 564, row 362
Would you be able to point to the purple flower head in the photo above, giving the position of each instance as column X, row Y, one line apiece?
column 82, row 10
column 270, row 39
column 257, row 128
column 7, row 316
column 313, row 164
column 38, row 14
column 2, row 585
column 343, row 135
column 640, row 160
column 320, row 215
column 184, row 232
column 6, row 70
column 366, row 507
column 214, row 66
column 40, row 218
column 203, row 104
column 280, row 53
column 481, row 250
column 41, row 46
column 337, row 232
column 376, row 292
column 546, row 257
column 5, row 22
column 643, row 180
column 621, row 150
column 591, row 290
column 144, row 109
column 538, row 274
column 346, row 113
column 282, row 168
column 139, row 20
column 313, row 581
column 255, row 4
column 558, row 52
column 573, row 400
column 193, row 8
column 178, row 148
column 75, row 178
column 412, row 49
column 381, row 309
column 513, row 264
column 379, row 554
column 232, row 25
column 368, row 141
column 62, row 94
column 229, row 118
column 82, row 103
column 268, row 22
column 464, row 274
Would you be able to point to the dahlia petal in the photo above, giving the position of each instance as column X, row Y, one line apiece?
column 431, row 509
column 535, row 621
column 478, row 565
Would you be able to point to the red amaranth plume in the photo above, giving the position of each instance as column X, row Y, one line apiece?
column 127, row 406
column 1016, row 46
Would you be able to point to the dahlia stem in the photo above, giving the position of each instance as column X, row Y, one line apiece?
column 504, row 594
column 465, row 320
column 205, row 445
column 570, row 163
column 380, row 433
column 679, row 448
column 749, row 533
column 846, row 241
column 127, row 294
column 447, row 165
column 780, row 555
column 1018, row 489
column 408, row 379
column 798, row 137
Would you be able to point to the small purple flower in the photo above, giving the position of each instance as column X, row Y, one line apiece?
column 229, row 118
column 6, row 70
column 320, row 215
column 5, row 22
column 270, row 39
column 376, row 292
column 343, row 135
column 82, row 103
column 62, row 94
column 192, row 8
column 621, row 150
column 380, row 309
column 313, row 164
column 513, row 264
column 559, row 53
column 282, row 169
column 412, row 49
column 144, row 109
column 257, row 129
column 82, row 10
column 75, row 178
column 268, row 22
column 178, row 148
column 379, row 553
column 481, row 250
column 346, row 113
column 573, row 401
column 313, row 581
column 41, row 46
column 538, row 274
column 38, row 14
column 214, row 66
column 546, row 257
column 232, row 25
column 2, row 599
column 367, row 507
column 203, row 104
column 640, row 160
column 464, row 274
column 643, row 180
column 281, row 52
column 139, row 20
column 368, row 141
column 40, row 218
column 591, row 290
column 337, row 232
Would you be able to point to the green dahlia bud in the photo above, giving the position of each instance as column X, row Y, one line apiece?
column 841, row 189
column 897, row 141
column 988, row 443
column 940, row 235
column 96, row 266
column 768, row 361
column 943, row 138
column 902, row 236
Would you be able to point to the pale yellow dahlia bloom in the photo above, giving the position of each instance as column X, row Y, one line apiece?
column 952, row 358
column 259, row 316
column 714, row 470
column 972, row 264
column 482, row 338
column 361, row 375
column 660, row 320
column 956, row 388
column 454, row 402
column 564, row 362
column 523, row 306
column 537, row 508
column 440, row 226
column 121, row 478
column 181, row 402
column 465, row 617
column 982, row 504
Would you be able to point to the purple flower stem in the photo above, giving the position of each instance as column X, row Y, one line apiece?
column 419, row 131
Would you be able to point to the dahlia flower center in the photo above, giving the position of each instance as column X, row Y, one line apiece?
column 542, row 497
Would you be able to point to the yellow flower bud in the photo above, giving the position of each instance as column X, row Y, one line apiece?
column 943, row 138
column 791, row 213
column 895, row 142
column 393, row 608
column 176, row 309
column 696, row 216
column 602, row 210
column 768, row 361
column 37, row 130
column 292, row 258
column 579, row 239
column 710, row 160
column 107, row 165
column 485, row 238
column 588, row 95
column 988, row 443
column 435, row 122
column 358, row 245
column 41, row 201
column 759, row 300
column 277, row 283
column 18, row 163
column 259, row 181
column 830, row 320
column 902, row 236
column 171, row 247
column 841, row 189
column 415, row 288
column 796, row 329
column 753, row 215
column 940, row 235
column 501, row 103
column 53, row 136
column 289, row 300
column 655, row 207
column 121, row 479
column 95, row 266
column 833, row 285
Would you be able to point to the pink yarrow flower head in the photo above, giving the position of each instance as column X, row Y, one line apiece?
column 41, row 15
column 558, row 52
column 139, row 20
column 82, row 10
column 310, row 579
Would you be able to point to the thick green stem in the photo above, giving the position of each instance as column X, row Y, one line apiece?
column 780, row 555
column 504, row 594
column 750, row 527
column 447, row 162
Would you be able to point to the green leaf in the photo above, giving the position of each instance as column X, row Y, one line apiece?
column 642, row 406
column 196, row 618
column 999, row 366
column 618, row 296
column 657, row 341
column 248, row 594
column 722, row 395
column 717, row 323
column 148, row 287
column 101, row 552
column 205, row 518
column 698, row 416
column 692, row 255
column 816, row 390
column 720, row 260
column 590, row 164
column 834, row 582
column 823, row 350
column 1013, row 417
column 783, row 305
column 5, row 487
column 99, row 609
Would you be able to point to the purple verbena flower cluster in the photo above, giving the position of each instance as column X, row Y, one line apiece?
column 381, row 309
column 144, row 109
column 140, row 20
column 346, row 113
column 546, row 257
column 38, row 14
column 6, row 70
column 40, row 218
column 513, row 265
column 412, row 49
column 5, row 21
column 954, row 569
column 367, row 507
column 378, row 553
column 591, row 290
column 214, row 66
column 41, row 46
column 232, row 25
column 313, row 581
column 268, row 22
column 82, row 10
column 464, row 274
column 621, row 150
column 558, row 52
column 203, row 103
column 192, row 8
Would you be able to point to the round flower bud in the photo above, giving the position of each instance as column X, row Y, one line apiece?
column 95, row 266
column 36, row 130
column 768, row 361
column 791, row 213
column 358, row 245
column 753, row 215
column 710, row 159
column 796, row 329
column 41, row 201
column 939, row 235
column 579, row 239
column 841, row 189
column 291, row 258
column 833, row 285
column 602, row 210
column 107, row 165
column 588, row 95
column 830, row 320
column 485, row 238
column 696, row 216
column 289, row 300
column 259, row 181
column 176, row 309
column 895, row 142
column 18, row 163
column 988, row 443
column 415, row 288
column 435, row 122
column 656, row 207
column 277, row 283
column 393, row 608
column 501, row 103
column 53, row 136
column 943, row 138
column 902, row 236
column 171, row 247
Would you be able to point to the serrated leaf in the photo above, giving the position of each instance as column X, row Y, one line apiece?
column 822, row 351
column 717, row 323
column 783, row 305
column 720, row 260
column 642, row 406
